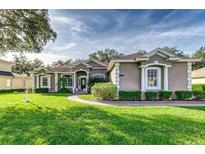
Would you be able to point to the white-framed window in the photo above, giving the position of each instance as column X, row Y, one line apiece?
column 98, row 75
column 153, row 78
column 68, row 81
column 8, row 83
column 44, row 81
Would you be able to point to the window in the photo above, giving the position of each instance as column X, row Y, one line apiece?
column 153, row 76
column 44, row 81
column 99, row 75
column 69, row 81
column 8, row 83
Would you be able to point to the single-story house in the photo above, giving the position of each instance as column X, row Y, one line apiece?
column 198, row 76
column 153, row 71
column 10, row 80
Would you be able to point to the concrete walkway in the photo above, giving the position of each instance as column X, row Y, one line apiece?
column 75, row 98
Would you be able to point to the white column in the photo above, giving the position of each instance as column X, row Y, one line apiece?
column 33, row 82
column 56, row 82
column 189, row 76
column 74, row 82
column 117, row 77
column 142, row 79
column 87, row 82
column 166, row 78
column 37, row 81
column 49, row 81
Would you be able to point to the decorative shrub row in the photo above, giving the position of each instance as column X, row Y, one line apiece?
column 129, row 95
column 93, row 80
column 14, row 90
column 104, row 91
column 183, row 95
column 161, row 95
column 199, row 95
column 41, row 90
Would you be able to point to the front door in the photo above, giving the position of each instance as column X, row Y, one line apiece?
column 82, row 83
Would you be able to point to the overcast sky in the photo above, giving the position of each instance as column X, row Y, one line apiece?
column 81, row 32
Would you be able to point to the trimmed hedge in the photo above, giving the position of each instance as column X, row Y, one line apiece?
column 129, row 95
column 41, row 90
column 93, row 80
column 104, row 91
column 165, row 95
column 199, row 95
column 198, row 87
column 14, row 91
column 183, row 95
column 151, row 95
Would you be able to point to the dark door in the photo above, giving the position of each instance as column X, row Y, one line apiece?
column 83, row 83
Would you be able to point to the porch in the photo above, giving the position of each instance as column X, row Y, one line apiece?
column 76, row 81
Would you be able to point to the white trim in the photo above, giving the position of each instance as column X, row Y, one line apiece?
column 156, row 63
column 166, row 79
column 158, row 87
column 37, row 81
column 41, row 83
column 95, row 74
column 117, row 77
column 190, row 60
column 142, row 79
column 123, row 60
column 189, row 76
column 56, row 82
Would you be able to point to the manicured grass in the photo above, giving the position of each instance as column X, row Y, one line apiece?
column 52, row 119
column 87, row 97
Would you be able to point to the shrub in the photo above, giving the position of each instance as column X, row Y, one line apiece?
column 104, row 91
column 165, row 95
column 41, row 90
column 93, row 80
column 65, row 90
column 14, row 90
column 129, row 95
column 199, row 95
column 183, row 95
column 198, row 87
column 151, row 95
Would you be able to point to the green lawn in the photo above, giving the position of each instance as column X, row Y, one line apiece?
column 52, row 119
column 87, row 97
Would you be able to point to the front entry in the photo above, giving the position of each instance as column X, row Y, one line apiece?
column 82, row 83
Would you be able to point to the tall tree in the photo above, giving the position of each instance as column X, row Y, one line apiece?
column 21, row 64
column 105, row 55
column 173, row 50
column 24, row 30
column 61, row 62
column 200, row 53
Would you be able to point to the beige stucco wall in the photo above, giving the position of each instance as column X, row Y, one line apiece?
column 154, row 58
column 130, row 76
column 16, row 82
column 177, row 79
column 5, row 67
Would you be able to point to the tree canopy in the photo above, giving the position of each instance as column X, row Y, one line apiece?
column 21, row 64
column 105, row 55
column 24, row 30
column 173, row 50
column 200, row 53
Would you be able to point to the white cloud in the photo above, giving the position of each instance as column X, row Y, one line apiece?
column 66, row 47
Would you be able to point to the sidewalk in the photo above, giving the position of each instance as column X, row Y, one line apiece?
column 75, row 98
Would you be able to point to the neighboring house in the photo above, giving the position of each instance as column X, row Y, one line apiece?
column 10, row 80
column 76, row 75
column 198, row 76
column 154, row 71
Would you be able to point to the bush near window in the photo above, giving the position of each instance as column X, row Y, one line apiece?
column 93, row 80
column 129, row 95
column 165, row 95
column 15, row 90
column 198, row 87
column 104, row 91
column 151, row 95
column 183, row 95
column 41, row 90
column 199, row 95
